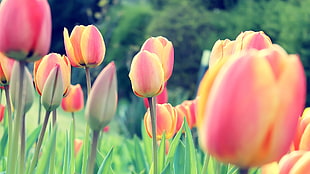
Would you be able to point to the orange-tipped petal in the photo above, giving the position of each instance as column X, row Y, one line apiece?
column 74, row 101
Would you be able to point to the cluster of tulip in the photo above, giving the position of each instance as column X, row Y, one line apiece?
column 27, row 39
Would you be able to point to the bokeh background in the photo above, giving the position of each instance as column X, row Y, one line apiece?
column 192, row 25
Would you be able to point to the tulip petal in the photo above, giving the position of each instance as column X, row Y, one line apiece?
column 69, row 49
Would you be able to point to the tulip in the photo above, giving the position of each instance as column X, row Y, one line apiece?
column 302, row 137
column 255, row 97
column 146, row 75
column 252, row 40
column 74, row 101
column 297, row 162
column 186, row 109
column 165, row 121
column 2, row 109
column 164, row 50
column 6, row 65
column 25, row 29
column 77, row 146
column 220, row 50
column 102, row 101
column 85, row 47
column 270, row 168
column 43, row 68
column 160, row 99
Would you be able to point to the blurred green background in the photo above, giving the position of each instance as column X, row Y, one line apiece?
column 192, row 25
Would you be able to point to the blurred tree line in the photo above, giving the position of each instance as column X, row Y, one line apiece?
column 192, row 26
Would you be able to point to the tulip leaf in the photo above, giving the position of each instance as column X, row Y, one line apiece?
column 161, row 153
column 190, row 152
column 44, row 161
column 173, row 146
column 139, row 160
column 106, row 163
column 31, row 139
column 3, row 142
column 179, row 159
column 147, row 142
column 168, row 169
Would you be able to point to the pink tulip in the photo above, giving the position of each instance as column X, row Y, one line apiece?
column 6, row 66
column 25, row 29
column 146, row 75
column 2, row 110
column 252, row 40
column 164, row 50
column 255, row 97
column 186, row 109
column 74, row 101
column 85, row 47
column 102, row 101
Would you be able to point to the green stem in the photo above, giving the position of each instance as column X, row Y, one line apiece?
column 205, row 163
column 22, row 145
column 39, row 144
column 54, row 114
column 152, row 104
column 40, row 109
column 13, row 152
column 9, row 107
column 73, row 122
column 243, row 171
column 86, row 138
column 91, row 161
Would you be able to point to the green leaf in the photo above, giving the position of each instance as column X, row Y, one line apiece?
column 161, row 154
column 168, row 169
column 31, row 139
column 147, row 142
column 105, row 165
column 3, row 142
column 190, row 152
column 44, row 161
column 179, row 159
column 139, row 160
column 173, row 146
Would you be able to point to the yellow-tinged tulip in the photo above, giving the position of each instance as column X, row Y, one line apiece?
column 253, row 99
column 25, row 29
column 102, row 101
column 146, row 75
column 186, row 109
column 74, row 101
column 15, row 87
column 6, row 66
column 165, row 121
column 220, row 50
column 296, row 162
column 43, row 68
column 302, row 138
column 164, row 50
column 85, row 47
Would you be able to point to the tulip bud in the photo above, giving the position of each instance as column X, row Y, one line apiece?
column 77, row 146
column 295, row 162
column 146, row 75
column 163, row 48
column 85, row 47
column 186, row 109
column 74, row 101
column 6, row 65
column 302, row 137
column 25, row 29
column 255, row 97
column 27, row 86
column 165, row 121
column 102, row 101
column 221, row 49
column 2, row 110
column 43, row 68
column 252, row 40
column 53, row 89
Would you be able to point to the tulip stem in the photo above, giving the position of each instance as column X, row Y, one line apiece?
column 86, row 138
column 8, row 103
column 40, row 109
column 152, row 103
column 73, row 122
column 13, row 152
column 54, row 114
column 91, row 161
column 243, row 171
column 22, row 145
column 38, row 147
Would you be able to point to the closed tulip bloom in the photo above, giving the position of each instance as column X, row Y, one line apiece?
column 74, row 101
column 77, row 146
column 255, row 97
column 160, row 99
column 85, row 47
column 252, row 40
column 25, row 29
column 2, row 110
column 102, row 101
column 6, row 66
column 146, row 75
column 43, row 68
column 164, row 50
column 296, row 162
column 165, row 121
column 302, row 137
column 186, row 109
column 220, row 50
